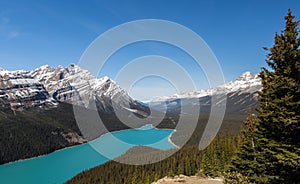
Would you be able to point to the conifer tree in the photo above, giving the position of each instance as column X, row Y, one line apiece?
column 276, row 154
column 245, row 160
column 279, row 119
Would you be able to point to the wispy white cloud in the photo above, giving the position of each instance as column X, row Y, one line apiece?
column 13, row 34
column 7, row 29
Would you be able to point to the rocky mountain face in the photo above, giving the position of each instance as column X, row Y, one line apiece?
column 46, row 86
column 241, row 96
column 69, row 84
column 19, row 90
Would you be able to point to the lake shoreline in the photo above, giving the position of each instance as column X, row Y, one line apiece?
column 69, row 147
column 69, row 161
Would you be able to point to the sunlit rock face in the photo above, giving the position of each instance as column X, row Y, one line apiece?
column 19, row 90
column 46, row 86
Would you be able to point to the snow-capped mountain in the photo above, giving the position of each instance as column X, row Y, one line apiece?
column 245, row 83
column 25, row 89
column 69, row 84
column 241, row 95
column 18, row 90
column 77, row 86
column 47, row 86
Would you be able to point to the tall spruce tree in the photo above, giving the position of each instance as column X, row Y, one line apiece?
column 276, row 158
column 245, row 160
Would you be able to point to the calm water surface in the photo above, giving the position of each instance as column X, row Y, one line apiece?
column 62, row 165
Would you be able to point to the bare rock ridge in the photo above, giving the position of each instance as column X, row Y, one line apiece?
column 188, row 180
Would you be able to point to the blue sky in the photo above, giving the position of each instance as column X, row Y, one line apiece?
column 34, row 33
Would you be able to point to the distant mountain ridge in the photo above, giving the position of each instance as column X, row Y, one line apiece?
column 241, row 96
column 245, row 83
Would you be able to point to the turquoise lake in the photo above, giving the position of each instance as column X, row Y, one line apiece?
column 59, row 166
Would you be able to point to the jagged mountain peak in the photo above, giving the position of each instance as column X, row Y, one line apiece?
column 246, row 82
column 72, row 68
column 71, row 74
column 44, row 67
column 246, row 76
column 105, row 78
column 70, row 84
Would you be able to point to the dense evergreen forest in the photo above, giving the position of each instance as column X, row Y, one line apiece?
column 32, row 133
column 189, row 161
column 266, row 151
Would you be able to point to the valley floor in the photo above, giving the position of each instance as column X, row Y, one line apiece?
column 188, row 180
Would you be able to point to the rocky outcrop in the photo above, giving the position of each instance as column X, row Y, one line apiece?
column 188, row 180
column 19, row 90
column 73, row 138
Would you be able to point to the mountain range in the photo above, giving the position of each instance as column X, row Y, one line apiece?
column 47, row 86
column 241, row 96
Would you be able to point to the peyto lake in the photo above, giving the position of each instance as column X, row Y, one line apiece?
column 59, row 166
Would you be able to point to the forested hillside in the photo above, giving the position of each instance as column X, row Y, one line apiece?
column 36, row 132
